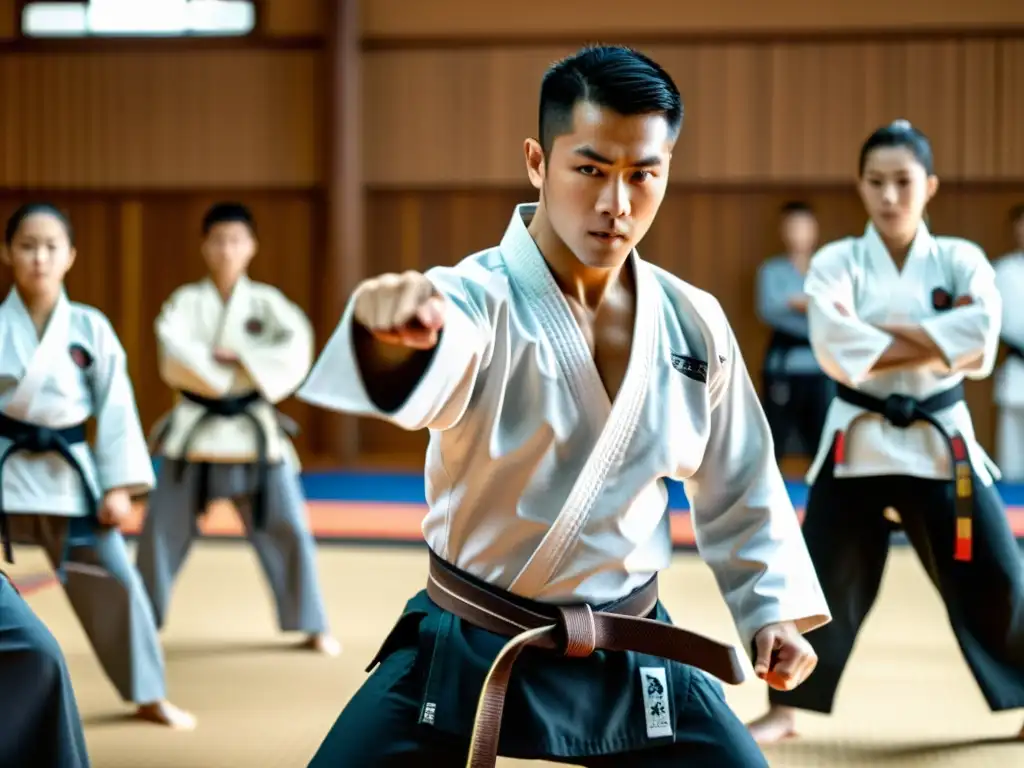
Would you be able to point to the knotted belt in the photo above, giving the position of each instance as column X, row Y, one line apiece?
column 575, row 630
column 229, row 407
column 33, row 438
column 901, row 411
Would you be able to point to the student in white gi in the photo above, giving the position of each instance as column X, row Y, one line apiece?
column 899, row 318
column 562, row 379
column 61, row 364
column 232, row 349
column 1009, row 384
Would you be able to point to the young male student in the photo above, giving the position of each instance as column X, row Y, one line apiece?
column 233, row 348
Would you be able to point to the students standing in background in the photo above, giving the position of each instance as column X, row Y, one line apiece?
column 795, row 391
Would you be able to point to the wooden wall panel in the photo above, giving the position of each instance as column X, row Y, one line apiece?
column 8, row 19
column 714, row 238
column 293, row 18
column 163, row 119
column 755, row 111
column 394, row 21
column 135, row 250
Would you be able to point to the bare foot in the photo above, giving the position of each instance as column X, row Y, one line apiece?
column 323, row 643
column 165, row 713
column 777, row 724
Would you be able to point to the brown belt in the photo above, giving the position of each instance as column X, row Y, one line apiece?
column 576, row 630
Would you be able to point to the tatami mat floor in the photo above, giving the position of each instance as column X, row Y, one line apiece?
column 908, row 699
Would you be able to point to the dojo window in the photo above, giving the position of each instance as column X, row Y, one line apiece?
column 138, row 18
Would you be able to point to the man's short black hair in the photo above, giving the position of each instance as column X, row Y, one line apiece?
column 228, row 211
column 610, row 76
column 1017, row 213
column 796, row 207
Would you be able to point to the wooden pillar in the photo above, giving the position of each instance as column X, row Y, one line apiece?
column 344, row 198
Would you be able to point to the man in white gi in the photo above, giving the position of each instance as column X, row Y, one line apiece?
column 232, row 349
column 1009, row 384
column 562, row 379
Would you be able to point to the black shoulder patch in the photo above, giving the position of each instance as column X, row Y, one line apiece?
column 691, row 367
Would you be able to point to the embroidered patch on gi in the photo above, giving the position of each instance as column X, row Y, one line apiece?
column 942, row 300
column 80, row 356
column 254, row 326
column 691, row 367
column 657, row 711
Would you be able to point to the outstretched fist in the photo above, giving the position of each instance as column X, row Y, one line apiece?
column 401, row 309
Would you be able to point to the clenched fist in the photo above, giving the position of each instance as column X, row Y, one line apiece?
column 405, row 310
column 784, row 657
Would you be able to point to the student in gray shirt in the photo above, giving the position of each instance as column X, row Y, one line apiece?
column 795, row 391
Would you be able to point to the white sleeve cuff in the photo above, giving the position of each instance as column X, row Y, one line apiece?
column 336, row 383
column 958, row 336
column 809, row 614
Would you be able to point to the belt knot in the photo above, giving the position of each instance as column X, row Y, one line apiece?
column 580, row 630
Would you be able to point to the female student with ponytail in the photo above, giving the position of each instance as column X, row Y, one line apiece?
column 899, row 317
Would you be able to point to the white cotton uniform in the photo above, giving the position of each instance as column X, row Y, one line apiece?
column 41, row 383
column 75, row 372
column 859, row 274
column 539, row 485
column 273, row 339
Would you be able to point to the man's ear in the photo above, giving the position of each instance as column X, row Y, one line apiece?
column 535, row 162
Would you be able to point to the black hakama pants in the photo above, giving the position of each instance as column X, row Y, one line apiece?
column 608, row 710
column 848, row 536
column 40, row 726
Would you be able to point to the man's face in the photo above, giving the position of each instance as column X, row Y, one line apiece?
column 602, row 183
column 228, row 248
column 800, row 232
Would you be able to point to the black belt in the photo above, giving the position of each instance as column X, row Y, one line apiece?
column 781, row 344
column 781, row 341
column 229, row 407
column 1014, row 351
column 774, row 377
column 32, row 438
column 901, row 411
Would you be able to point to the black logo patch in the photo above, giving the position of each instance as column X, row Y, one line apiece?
column 254, row 326
column 691, row 367
column 942, row 300
column 80, row 356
